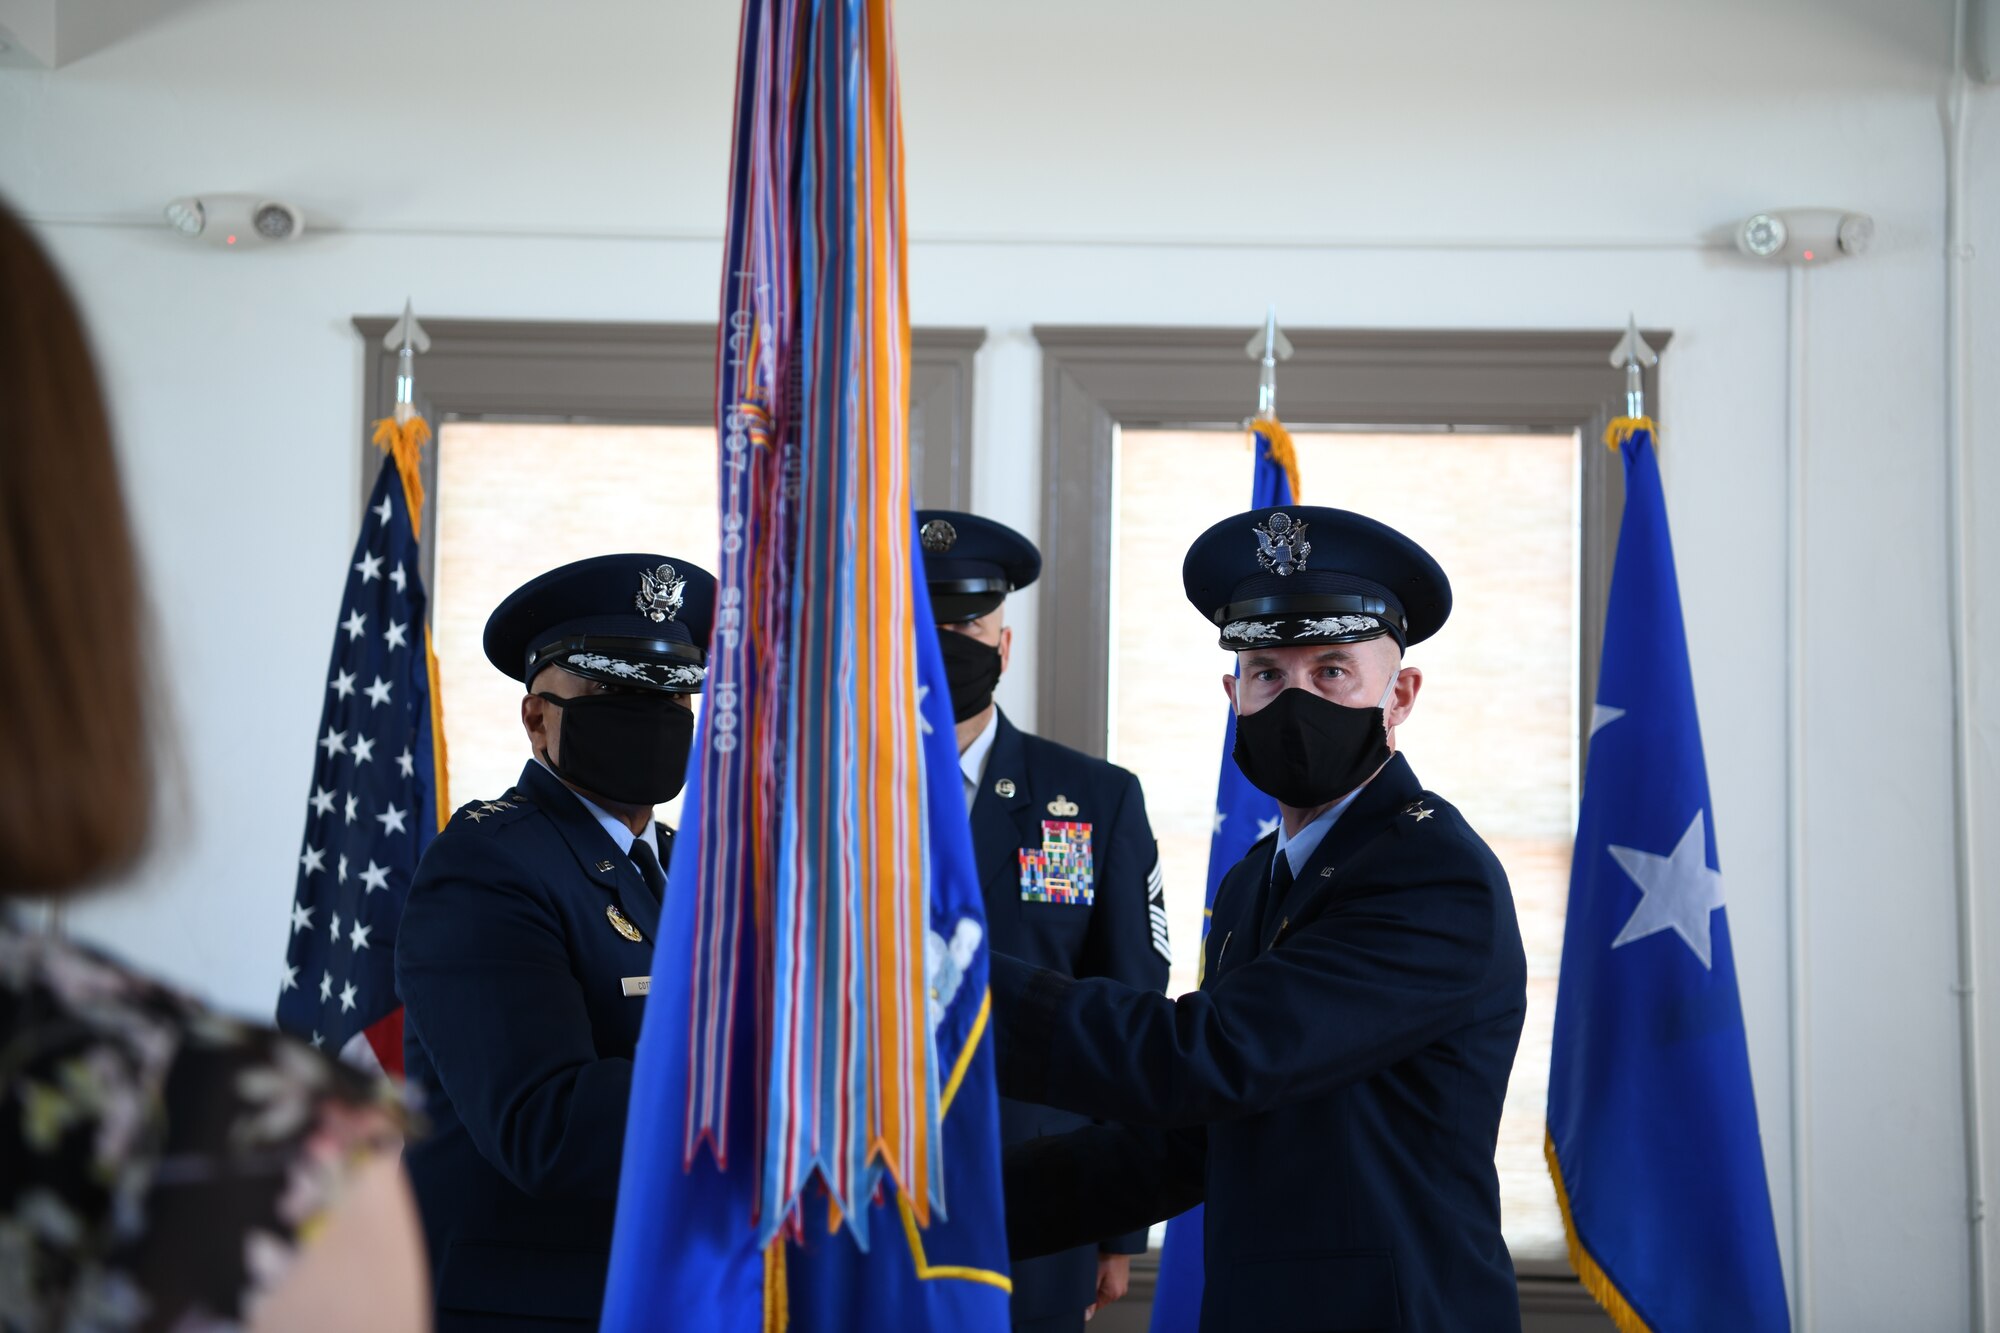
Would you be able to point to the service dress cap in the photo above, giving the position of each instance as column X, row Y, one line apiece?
column 636, row 620
column 972, row 563
column 1304, row 574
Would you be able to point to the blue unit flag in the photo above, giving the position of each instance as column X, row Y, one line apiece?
column 1652, row 1124
column 1242, row 816
column 684, row 1252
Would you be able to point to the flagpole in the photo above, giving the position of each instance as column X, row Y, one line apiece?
column 1958, row 558
column 1797, row 960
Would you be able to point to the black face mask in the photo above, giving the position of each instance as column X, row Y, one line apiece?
column 629, row 748
column 973, row 668
column 1307, row 750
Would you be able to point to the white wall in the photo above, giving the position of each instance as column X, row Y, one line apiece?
column 1550, row 163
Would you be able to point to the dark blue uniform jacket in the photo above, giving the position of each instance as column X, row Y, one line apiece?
column 518, row 1038
column 1332, row 1091
column 1121, row 935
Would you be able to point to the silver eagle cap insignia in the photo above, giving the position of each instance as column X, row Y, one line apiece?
column 1281, row 544
column 660, row 593
column 938, row 536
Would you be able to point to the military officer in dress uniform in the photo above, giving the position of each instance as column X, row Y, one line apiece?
column 1067, row 863
column 1333, row 1090
column 526, row 948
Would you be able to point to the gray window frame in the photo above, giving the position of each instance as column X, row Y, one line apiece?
column 1097, row 379
column 634, row 373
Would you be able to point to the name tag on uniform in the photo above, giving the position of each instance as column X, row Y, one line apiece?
column 635, row 985
column 1061, row 870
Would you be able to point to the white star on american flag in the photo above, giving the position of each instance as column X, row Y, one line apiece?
column 356, row 625
column 378, row 693
column 392, row 820
column 923, row 693
column 407, row 762
column 334, row 742
column 291, row 981
column 364, row 749
column 347, row 997
column 322, row 800
column 312, row 859
column 302, row 917
column 333, row 926
column 394, row 635
column 342, row 683
column 398, row 577
column 369, row 568
column 343, row 867
column 318, row 1042
column 353, row 807
column 358, row 937
column 325, row 988
column 375, row 877
column 384, row 511
column 1266, row 827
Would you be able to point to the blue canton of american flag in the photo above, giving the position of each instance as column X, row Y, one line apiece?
column 373, row 808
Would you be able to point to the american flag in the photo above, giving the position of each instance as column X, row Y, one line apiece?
column 375, row 798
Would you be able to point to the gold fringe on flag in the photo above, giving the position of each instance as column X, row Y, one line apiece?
column 777, row 1298
column 1594, row 1279
column 440, row 770
column 1281, row 450
column 404, row 442
column 1624, row 428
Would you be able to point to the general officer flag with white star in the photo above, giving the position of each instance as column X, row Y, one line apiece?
column 376, row 793
column 1652, row 1124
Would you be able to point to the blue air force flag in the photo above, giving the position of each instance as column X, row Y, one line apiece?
column 1243, row 815
column 374, row 803
column 1652, row 1125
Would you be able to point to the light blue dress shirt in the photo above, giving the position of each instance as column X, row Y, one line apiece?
column 1299, row 848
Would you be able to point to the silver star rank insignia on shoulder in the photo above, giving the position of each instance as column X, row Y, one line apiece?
column 1418, row 811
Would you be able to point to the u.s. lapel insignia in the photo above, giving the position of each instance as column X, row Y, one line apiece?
column 1061, row 870
column 1004, row 788
column 622, row 924
column 1417, row 811
column 1062, row 807
column 603, row 867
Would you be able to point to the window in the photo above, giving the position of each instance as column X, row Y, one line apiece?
column 1494, row 730
column 518, row 499
column 560, row 440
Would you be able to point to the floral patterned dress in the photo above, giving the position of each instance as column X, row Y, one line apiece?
column 159, row 1164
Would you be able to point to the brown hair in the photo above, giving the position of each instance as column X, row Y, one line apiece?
column 76, row 758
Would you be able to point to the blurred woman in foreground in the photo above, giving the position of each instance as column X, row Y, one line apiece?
column 161, row 1167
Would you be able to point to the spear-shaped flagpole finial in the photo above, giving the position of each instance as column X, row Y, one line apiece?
column 1268, row 347
column 1633, row 353
column 408, row 338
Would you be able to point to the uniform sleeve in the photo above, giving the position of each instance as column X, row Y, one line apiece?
column 1127, row 941
column 1381, row 974
column 1068, row 1189
column 487, row 987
